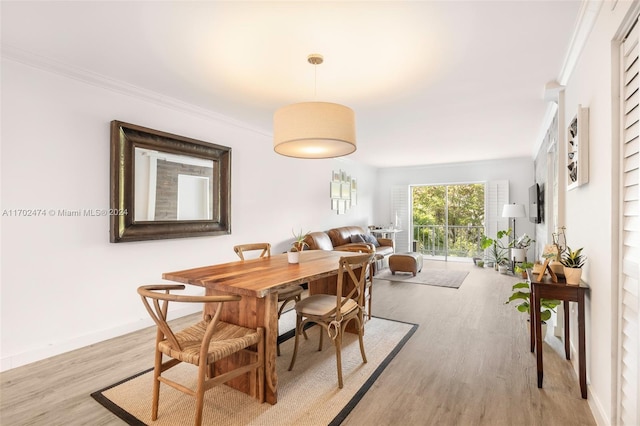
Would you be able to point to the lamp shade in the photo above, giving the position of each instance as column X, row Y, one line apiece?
column 314, row 130
column 513, row 210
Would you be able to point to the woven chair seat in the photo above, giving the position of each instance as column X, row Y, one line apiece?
column 217, row 339
column 227, row 339
column 333, row 312
column 288, row 292
column 322, row 304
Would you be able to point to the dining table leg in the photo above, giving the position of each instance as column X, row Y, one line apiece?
column 252, row 312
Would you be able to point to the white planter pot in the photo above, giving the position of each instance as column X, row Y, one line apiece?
column 503, row 269
column 518, row 254
column 572, row 275
column 293, row 256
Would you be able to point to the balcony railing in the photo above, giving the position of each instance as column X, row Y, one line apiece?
column 463, row 241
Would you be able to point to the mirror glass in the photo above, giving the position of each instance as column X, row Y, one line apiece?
column 167, row 186
column 172, row 187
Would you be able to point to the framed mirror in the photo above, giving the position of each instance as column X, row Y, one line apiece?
column 167, row 186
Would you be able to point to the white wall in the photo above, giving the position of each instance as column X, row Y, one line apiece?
column 518, row 171
column 63, row 285
column 591, row 210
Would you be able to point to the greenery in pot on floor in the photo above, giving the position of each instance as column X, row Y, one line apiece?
column 497, row 254
column 520, row 294
column 521, row 268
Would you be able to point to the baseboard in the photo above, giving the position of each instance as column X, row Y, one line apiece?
column 598, row 411
column 596, row 408
column 38, row 354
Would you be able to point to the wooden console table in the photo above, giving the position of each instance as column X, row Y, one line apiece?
column 547, row 289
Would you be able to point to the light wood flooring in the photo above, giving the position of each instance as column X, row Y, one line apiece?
column 467, row 364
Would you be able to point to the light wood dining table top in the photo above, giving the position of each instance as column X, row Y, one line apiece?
column 262, row 276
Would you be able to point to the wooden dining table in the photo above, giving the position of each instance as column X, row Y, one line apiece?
column 257, row 281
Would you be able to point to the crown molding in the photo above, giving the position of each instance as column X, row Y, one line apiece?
column 585, row 22
column 587, row 17
column 89, row 77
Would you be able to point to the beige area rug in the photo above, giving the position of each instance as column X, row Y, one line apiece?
column 437, row 277
column 308, row 395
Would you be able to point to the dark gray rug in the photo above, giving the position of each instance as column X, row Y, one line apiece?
column 436, row 277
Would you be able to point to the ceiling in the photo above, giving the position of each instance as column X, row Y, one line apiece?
column 430, row 82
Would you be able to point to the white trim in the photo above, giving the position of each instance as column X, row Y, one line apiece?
column 584, row 24
column 586, row 20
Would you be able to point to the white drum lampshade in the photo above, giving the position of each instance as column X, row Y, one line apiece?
column 314, row 130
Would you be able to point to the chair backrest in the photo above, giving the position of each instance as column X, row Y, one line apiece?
column 354, row 269
column 243, row 248
column 359, row 248
column 156, row 300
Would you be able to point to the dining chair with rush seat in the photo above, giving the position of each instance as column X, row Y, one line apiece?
column 286, row 295
column 201, row 344
column 334, row 312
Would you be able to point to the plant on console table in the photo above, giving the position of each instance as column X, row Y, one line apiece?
column 573, row 260
column 293, row 255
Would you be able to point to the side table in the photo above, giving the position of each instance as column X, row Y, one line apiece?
column 547, row 289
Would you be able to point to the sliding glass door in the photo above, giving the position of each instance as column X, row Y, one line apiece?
column 448, row 220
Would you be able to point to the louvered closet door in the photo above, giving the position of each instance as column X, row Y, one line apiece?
column 629, row 333
column 496, row 195
column 400, row 217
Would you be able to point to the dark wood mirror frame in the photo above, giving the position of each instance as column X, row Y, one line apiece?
column 125, row 138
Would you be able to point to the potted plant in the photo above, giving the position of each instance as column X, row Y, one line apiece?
column 497, row 253
column 519, row 247
column 546, row 305
column 555, row 250
column 293, row 255
column 503, row 266
column 521, row 268
column 478, row 253
column 572, row 261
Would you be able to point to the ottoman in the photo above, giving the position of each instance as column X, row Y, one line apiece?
column 405, row 262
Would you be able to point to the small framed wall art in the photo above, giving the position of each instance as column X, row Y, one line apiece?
column 343, row 191
column 578, row 149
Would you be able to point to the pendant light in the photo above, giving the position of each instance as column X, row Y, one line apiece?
column 314, row 129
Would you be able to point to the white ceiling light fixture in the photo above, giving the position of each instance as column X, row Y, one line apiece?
column 314, row 129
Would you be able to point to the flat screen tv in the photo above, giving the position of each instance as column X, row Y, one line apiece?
column 535, row 204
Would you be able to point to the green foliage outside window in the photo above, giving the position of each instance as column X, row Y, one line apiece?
column 465, row 218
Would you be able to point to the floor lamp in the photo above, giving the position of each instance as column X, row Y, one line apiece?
column 512, row 211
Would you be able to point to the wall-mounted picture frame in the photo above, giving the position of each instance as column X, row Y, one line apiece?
column 345, row 192
column 342, row 191
column 342, row 206
column 335, row 190
column 578, row 149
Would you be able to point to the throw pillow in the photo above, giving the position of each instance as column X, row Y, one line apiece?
column 371, row 239
column 357, row 238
